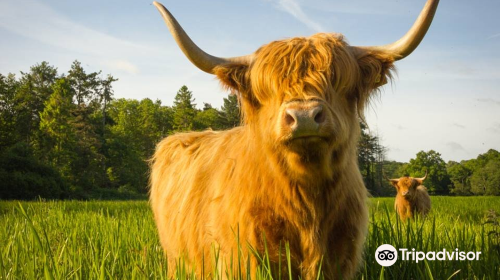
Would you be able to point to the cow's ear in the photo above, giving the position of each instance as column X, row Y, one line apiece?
column 394, row 183
column 376, row 70
column 235, row 78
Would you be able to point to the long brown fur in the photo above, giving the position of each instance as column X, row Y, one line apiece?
column 416, row 201
column 208, row 186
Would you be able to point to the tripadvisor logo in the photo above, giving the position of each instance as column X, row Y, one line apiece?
column 387, row 255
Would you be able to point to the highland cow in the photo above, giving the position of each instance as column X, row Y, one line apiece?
column 412, row 197
column 289, row 173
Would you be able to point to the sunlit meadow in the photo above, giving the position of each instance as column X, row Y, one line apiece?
column 118, row 240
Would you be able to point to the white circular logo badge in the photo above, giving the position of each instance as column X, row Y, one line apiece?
column 386, row 255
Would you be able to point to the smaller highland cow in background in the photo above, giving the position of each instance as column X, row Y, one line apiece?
column 412, row 197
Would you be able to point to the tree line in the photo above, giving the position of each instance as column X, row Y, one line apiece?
column 64, row 135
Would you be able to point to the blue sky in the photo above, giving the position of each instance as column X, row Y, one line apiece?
column 445, row 97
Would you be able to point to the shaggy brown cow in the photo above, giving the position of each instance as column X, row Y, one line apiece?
column 412, row 197
column 290, row 172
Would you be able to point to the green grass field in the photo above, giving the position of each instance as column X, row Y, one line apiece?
column 118, row 240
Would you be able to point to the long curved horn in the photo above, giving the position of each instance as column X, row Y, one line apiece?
column 197, row 56
column 390, row 180
column 409, row 42
column 394, row 180
column 421, row 180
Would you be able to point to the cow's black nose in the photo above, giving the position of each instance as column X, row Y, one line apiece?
column 304, row 116
column 304, row 121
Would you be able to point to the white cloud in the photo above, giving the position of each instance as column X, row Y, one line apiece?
column 122, row 65
column 365, row 7
column 454, row 146
column 489, row 100
column 294, row 9
column 458, row 125
column 494, row 36
column 39, row 22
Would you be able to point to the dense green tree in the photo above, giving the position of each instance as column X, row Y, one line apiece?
column 105, row 95
column 486, row 180
column 156, row 122
column 136, row 128
column 483, row 159
column 8, row 114
column 371, row 156
column 438, row 180
column 91, row 95
column 208, row 118
column 57, row 141
column 125, row 165
column 472, row 176
column 85, row 86
column 184, row 110
column 230, row 112
column 163, row 119
column 459, row 176
column 88, row 163
column 34, row 89
column 23, row 176
column 62, row 120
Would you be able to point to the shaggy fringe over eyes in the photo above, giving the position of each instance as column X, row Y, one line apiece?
column 302, row 67
column 320, row 65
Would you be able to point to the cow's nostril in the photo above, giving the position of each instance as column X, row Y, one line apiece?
column 289, row 118
column 320, row 117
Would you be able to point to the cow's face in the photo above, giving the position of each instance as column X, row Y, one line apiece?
column 407, row 186
column 302, row 97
